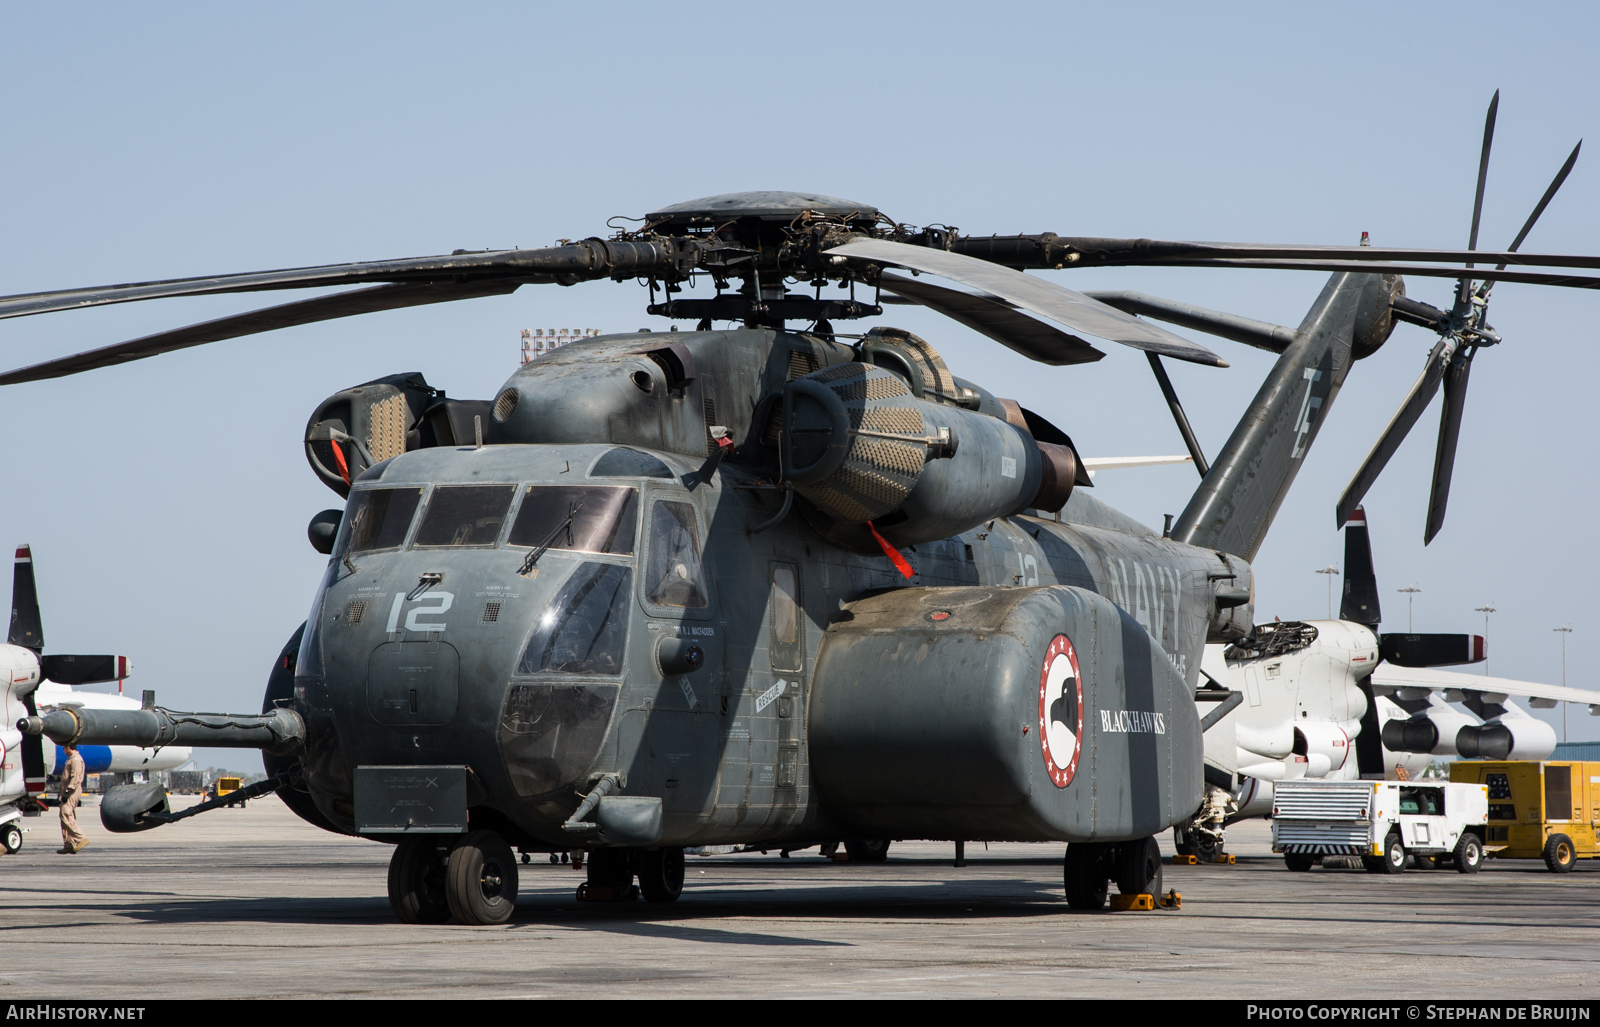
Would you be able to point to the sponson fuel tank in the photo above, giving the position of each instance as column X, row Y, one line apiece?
column 1015, row 713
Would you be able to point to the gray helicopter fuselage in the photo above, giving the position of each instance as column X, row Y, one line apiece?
column 436, row 640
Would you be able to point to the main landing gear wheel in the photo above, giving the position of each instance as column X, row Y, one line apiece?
column 481, row 879
column 1085, row 875
column 1559, row 855
column 417, row 881
column 661, row 875
column 867, row 850
column 1139, row 867
column 11, row 837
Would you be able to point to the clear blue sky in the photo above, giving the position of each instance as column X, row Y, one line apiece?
column 167, row 500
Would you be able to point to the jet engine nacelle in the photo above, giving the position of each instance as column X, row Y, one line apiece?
column 988, row 713
column 859, row 447
column 1433, row 731
column 1326, row 747
column 19, row 668
column 1510, row 737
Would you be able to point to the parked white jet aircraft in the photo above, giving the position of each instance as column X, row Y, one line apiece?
column 1336, row 699
column 32, row 682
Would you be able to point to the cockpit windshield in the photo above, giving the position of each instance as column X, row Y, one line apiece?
column 603, row 518
column 586, row 625
column 379, row 518
column 465, row 515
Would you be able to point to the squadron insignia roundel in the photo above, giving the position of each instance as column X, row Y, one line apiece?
column 1060, row 710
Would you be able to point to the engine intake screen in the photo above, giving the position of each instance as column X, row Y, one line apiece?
column 465, row 515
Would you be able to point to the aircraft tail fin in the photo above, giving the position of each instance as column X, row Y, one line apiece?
column 27, row 629
column 1360, row 602
column 1236, row 502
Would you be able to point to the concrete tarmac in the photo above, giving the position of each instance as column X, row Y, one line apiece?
column 254, row 903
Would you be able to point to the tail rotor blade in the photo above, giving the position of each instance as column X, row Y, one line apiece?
column 1415, row 403
column 1483, row 178
column 1544, row 201
column 1360, row 602
column 1455, row 401
column 1483, row 168
column 27, row 629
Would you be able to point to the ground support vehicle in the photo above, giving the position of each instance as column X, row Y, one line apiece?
column 1386, row 823
column 1546, row 810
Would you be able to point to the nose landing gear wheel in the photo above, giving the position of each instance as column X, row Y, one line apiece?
column 481, row 879
column 417, row 881
column 661, row 875
column 11, row 837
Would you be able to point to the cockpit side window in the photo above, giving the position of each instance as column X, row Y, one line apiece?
column 379, row 518
column 603, row 518
column 586, row 626
column 673, row 576
column 465, row 515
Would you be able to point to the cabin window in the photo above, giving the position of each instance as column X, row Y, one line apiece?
column 602, row 518
column 585, row 627
column 465, row 515
column 674, row 576
column 379, row 518
column 785, row 618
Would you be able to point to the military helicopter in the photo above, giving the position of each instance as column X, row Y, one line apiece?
column 767, row 584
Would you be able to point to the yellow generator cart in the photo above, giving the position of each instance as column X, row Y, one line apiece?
column 1543, row 811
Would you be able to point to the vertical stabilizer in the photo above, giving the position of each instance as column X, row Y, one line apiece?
column 1360, row 602
column 27, row 630
column 1235, row 504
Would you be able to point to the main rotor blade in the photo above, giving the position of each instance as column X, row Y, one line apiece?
column 1054, row 251
column 586, row 259
column 286, row 315
column 1000, row 321
column 1416, row 401
column 1035, row 295
column 1420, row 270
column 1444, row 458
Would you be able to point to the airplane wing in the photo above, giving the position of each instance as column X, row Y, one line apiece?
column 1388, row 679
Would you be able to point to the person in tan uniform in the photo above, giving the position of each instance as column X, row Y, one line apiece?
column 72, row 839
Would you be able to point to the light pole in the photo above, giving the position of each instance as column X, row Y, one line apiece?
column 1486, row 610
column 1411, row 594
column 1330, row 571
column 1564, row 633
